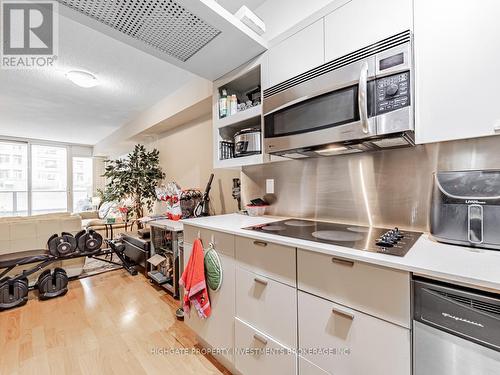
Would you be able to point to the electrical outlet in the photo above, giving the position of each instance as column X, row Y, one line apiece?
column 270, row 186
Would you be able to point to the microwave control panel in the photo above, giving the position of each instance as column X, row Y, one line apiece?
column 393, row 92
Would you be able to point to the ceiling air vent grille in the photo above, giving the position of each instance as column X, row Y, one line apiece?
column 162, row 24
column 363, row 53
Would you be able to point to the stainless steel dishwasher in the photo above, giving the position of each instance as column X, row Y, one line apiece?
column 456, row 330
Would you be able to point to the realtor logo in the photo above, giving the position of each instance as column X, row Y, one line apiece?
column 29, row 34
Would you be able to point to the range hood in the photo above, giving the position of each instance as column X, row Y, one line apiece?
column 397, row 140
column 199, row 36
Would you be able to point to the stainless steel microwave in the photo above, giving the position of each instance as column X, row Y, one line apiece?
column 360, row 102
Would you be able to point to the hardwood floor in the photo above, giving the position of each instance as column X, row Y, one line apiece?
column 106, row 324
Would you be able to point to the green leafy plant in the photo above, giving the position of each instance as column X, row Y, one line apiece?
column 134, row 178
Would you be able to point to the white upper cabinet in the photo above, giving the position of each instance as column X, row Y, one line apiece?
column 296, row 54
column 360, row 23
column 457, row 56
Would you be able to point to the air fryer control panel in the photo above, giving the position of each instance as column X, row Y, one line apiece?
column 393, row 92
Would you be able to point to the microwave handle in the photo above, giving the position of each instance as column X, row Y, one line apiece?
column 363, row 97
column 476, row 224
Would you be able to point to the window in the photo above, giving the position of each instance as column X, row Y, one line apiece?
column 17, row 174
column 82, row 184
column 13, row 182
column 48, row 176
column 50, row 163
column 49, row 179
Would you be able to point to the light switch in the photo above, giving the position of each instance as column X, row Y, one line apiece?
column 270, row 186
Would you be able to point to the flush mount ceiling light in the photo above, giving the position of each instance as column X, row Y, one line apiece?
column 82, row 79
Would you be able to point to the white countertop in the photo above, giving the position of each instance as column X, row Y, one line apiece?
column 174, row 226
column 463, row 265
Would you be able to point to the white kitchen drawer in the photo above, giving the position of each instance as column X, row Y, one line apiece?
column 218, row 329
column 267, row 305
column 278, row 360
column 274, row 261
column 223, row 242
column 378, row 291
column 368, row 345
column 308, row 368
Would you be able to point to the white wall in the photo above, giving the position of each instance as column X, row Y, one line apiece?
column 186, row 158
column 197, row 90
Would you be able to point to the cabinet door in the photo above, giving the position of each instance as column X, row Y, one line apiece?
column 296, row 54
column 270, row 260
column 356, row 284
column 258, row 354
column 457, row 59
column 360, row 23
column 351, row 342
column 307, row 368
column 218, row 329
column 262, row 302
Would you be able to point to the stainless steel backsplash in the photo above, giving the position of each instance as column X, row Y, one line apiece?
column 384, row 188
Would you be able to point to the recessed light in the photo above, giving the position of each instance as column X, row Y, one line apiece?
column 331, row 150
column 82, row 79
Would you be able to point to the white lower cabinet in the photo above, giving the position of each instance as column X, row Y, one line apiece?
column 259, row 354
column 218, row 330
column 340, row 340
column 274, row 261
column 378, row 291
column 308, row 368
column 267, row 305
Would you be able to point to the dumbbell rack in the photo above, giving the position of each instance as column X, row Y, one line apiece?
column 41, row 259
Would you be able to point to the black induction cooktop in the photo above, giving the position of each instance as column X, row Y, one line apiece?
column 378, row 240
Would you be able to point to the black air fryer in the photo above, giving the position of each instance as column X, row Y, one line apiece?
column 466, row 208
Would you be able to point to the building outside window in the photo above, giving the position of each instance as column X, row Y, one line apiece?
column 82, row 184
column 13, row 179
column 49, row 176
column 49, row 179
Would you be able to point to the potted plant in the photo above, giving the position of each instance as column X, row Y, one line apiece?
column 134, row 179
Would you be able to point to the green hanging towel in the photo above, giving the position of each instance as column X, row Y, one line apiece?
column 213, row 269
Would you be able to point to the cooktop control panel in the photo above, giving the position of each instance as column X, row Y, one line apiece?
column 393, row 92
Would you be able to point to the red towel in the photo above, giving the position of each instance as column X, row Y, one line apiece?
column 195, row 286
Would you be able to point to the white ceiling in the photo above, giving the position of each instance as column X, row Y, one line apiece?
column 43, row 104
column 233, row 5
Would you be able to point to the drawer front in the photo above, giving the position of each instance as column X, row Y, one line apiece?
column 262, row 303
column 274, row 261
column 364, row 344
column 377, row 291
column 264, row 355
column 223, row 242
column 218, row 329
column 308, row 368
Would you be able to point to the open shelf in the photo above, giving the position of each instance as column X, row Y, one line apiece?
column 245, row 83
column 242, row 117
column 240, row 162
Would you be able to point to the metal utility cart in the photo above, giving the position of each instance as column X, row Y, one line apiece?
column 165, row 264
